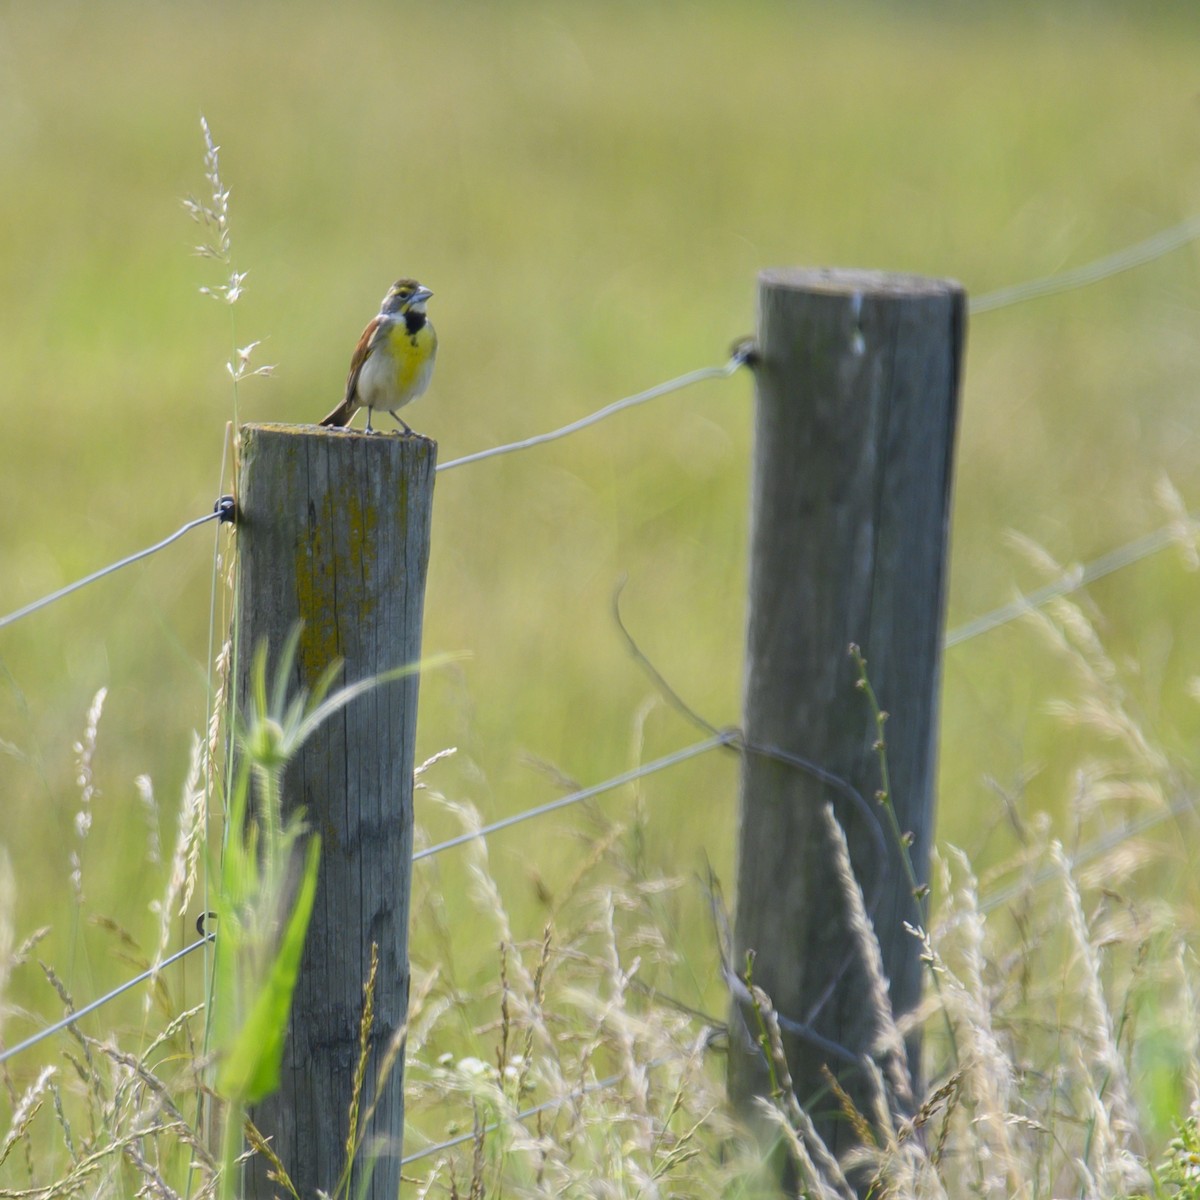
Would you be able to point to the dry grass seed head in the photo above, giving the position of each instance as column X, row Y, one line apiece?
column 85, row 753
column 25, row 1110
column 1103, row 704
column 1185, row 529
column 989, row 1074
column 822, row 1182
column 185, row 859
column 277, row 1172
column 887, row 1043
column 1117, row 1104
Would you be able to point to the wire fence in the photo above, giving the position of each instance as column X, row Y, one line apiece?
column 222, row 511
column 1165, row 242
column 1162, row 243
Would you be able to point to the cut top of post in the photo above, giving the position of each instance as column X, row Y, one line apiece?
column 843, row 281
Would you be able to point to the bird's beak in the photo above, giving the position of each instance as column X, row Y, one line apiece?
column 420, row 295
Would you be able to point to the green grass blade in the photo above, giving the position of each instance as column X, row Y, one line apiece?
column 250, row 1072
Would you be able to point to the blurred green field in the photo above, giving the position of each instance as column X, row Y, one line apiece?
column 589, row 190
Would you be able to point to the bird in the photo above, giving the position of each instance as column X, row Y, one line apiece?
column 393, row 361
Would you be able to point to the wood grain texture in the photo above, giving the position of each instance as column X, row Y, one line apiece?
column 857, row 391
column 333, row 531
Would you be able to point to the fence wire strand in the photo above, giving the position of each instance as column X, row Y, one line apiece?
column 662, row 389
column 736, row 360
column 659, row 764
column 80, row 1013
column 1156, row 246
column 219, row 513
column 1071, row 581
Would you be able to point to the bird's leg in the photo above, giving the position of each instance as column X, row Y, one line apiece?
column 369, row 410
column 400, row 422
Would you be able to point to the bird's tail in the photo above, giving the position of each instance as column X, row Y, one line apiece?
column 341, row 415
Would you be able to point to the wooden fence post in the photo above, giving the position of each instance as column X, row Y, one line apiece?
column 333, row 532
column 857, row 389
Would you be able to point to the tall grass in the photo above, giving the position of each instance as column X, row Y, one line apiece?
column 1062, row 1021
column 1047, row 1012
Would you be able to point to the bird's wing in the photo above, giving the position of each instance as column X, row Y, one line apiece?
column 370, row 336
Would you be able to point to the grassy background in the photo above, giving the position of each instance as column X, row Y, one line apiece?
column 589, row 189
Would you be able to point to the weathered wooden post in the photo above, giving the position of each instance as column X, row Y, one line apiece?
column 333, row 531
column 857, row 388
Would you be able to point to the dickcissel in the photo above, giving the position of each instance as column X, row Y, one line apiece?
column 393, row 360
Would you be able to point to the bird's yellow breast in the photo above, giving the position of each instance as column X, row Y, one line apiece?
column 412, row 352
column 398, row 370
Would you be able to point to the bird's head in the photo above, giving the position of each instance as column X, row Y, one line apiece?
column 404, row 296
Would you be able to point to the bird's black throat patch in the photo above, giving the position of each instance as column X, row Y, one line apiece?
column 414, row 322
